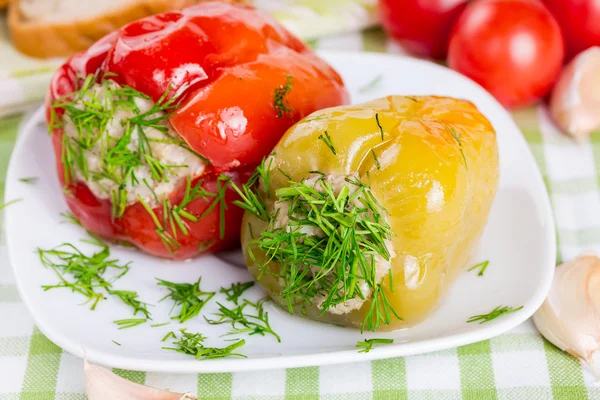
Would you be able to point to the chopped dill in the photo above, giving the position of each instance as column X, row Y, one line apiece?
column 69, row 218
column 85, row 274
column 193, row 344
column 457, row 138
column 120, row 157
column 331, row 265
column 117, row 343
column 242, row 321
column 328, row 142
column 495, row 313
column 379, row 125
column 129, row 322
column 187, row 295
column 280, row 103
column 366, row 345
column 375, row 159
column 161, row 324
column 32, row 179
column 8, row 203
column 372, row 84
column 482, row 267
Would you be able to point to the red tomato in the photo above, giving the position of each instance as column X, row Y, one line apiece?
column 422, row 26
column 580, row 23
column 228, row 63
column 513, row 48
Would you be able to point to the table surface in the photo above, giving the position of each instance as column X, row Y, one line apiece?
column 516, row 365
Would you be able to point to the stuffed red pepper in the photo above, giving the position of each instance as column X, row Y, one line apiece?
column 152, row 124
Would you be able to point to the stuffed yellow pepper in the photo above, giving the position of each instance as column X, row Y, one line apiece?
column 363, row 215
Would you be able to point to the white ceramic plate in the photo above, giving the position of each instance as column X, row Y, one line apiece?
column 518, row 241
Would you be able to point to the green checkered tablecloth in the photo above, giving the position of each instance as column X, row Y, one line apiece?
column 516, row 365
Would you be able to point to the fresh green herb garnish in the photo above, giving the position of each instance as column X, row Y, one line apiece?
column 371, row 85
column 187, row 295
column 457, row 138
column 161, row 324
column 379, row 125
column 280, row 103
column 192, row 344
column 375, row 159
column 366, row 345
column 482, row 267
column 242, row 321
column 412, row 98
column 329, row 265
column 120, row 157
column 117, row 343
column 327, row 140
column 130, row 322
column 234, row 292
column 175, row 218
column 32, row 179
column 8, row 203
column 82, row 273
column 495, row 313
column 69, row 218
column 251, row 201
column 130, row 298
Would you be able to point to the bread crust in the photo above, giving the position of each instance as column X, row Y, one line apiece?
column 62, row 39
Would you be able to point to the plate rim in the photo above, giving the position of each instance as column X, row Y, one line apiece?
column 311, row 359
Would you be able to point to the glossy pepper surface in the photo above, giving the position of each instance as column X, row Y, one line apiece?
column 241, row 80
column 432, row 164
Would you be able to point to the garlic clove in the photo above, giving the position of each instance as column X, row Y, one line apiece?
column 570, row 316
column 102, row 384
column 575, row 102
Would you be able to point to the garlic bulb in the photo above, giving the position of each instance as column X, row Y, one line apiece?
column 102, row 384
column 575, row 102
column 570, row 315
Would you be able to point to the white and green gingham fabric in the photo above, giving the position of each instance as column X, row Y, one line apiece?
column 516, row 365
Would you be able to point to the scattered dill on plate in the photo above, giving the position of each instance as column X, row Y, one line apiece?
column 188, row 296
column 193, row 344
column 482, row 266
column 495, row 313
column 368, row 344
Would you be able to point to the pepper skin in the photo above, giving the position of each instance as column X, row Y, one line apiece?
column 225, row 62
column 437, row 178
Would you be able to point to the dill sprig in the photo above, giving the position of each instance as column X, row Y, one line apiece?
column 234, row 292
column 372, row 84
column 280, row 103
column 84, row 274
column 482, row 267
column 187, row 295
column 495, row 313
column 375, row 159
column 117, row 343
column 69, row 218
column 251, row 201
column 193, row 344
column 379, row 125
column 328, row 142
column 242, row 321
column 130, row 298
column 119, row 157
column 31, row 179
column 8, row 203
column 457, row 138
column 366, row 345
column 129, row 322
column 331, row 264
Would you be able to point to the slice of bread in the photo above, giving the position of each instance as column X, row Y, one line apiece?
column 59, row 28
